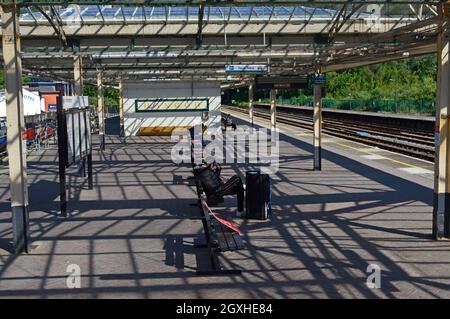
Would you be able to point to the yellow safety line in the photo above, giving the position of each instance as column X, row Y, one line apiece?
column 370, row 153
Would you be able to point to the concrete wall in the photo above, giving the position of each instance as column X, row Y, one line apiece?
column 133, row 90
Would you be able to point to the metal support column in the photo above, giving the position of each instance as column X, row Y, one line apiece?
column 78, row 75
column 441, row 211
column 250, row 102
column 101, row 110
column 62, row 155
column 273, row 109
column 16, row 126
column 77, row 91
column 317, row 119
column 89, row 168
column 122, row 120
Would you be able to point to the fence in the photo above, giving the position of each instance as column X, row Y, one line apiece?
column 392, row 106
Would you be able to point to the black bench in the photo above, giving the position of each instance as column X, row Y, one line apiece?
column 219, row 238
column 228, row 240
column 224, row 238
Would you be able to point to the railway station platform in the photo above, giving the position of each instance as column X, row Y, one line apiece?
column 133, row 236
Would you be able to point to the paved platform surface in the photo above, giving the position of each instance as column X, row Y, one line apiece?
column 375, row 155
column 132, row 235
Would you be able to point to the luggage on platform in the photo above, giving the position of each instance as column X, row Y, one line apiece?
column 258, row 195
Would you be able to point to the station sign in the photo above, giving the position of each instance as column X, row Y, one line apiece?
column 40, row 80
column 172, row 105
column 246, row 68
column 70, row 102
column 318, row 78
column 51, row 108
column 281, row 82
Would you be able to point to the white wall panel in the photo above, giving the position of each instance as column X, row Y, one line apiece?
column 133, row 90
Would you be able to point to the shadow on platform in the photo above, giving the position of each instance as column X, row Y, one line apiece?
column 133, row 233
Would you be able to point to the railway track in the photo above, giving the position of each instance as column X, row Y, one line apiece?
column 418, row 144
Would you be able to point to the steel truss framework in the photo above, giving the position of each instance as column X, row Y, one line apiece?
column 221, row 2
column 196, row 39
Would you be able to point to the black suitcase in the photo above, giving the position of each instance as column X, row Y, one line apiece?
column 257, row 195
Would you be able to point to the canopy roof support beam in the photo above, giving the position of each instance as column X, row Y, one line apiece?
column 101, row 109
column 55, row 21
column 78, row 75
column 250, row 101
column 441, row 211
column 317, row 123
column 219, row 3
column 17, row 151
column 121, row 111
column 273, row 109
column 201, row 13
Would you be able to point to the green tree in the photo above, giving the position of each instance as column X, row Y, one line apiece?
column 412, row 79
column 111, row 96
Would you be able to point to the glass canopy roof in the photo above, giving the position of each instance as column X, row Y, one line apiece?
column 112, row 13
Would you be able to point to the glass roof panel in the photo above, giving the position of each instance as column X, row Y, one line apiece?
column 214, row 12
column 159, row 11
column 226, row 12
column 193, row 11
column 67, row 12
column 262, row 11
column 128, row 11
column 138, row 13
column 234, row 12
column 109, row 12
column 244, row 11
column 91, row 12
column 177, row 13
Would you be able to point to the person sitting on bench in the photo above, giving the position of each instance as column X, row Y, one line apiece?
column 227, row 121
column 215, row 188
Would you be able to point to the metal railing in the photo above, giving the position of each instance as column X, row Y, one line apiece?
column 368, row 105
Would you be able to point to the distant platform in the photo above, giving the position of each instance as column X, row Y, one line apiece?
column 365, row 113
column 133, row 236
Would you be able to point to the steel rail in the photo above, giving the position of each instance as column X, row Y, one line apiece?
column 415, row 148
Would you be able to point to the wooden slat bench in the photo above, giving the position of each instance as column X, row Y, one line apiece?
column 219, row 238
column 228, row 241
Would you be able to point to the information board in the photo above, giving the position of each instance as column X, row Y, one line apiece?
column 281, row 82
column 246, row 68
column 74, row 146
column 70, row 102
column 318, row 78
column 78, row 135
column 172, row 105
